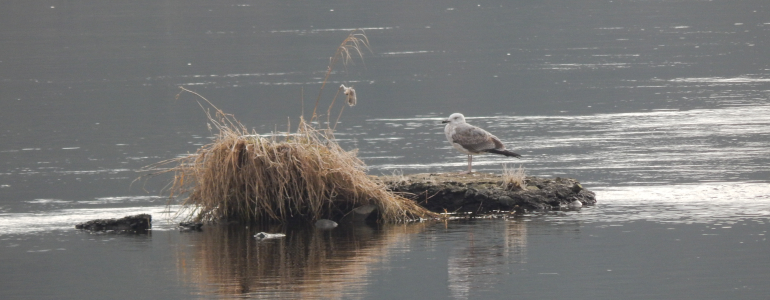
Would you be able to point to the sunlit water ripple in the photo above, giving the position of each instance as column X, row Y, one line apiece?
column 664, row 165
column 653, row 147
column 164, row 218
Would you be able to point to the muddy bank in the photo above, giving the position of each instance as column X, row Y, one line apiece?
column 484, row 193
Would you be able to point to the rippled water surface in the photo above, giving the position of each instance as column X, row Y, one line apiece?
column 660, row 107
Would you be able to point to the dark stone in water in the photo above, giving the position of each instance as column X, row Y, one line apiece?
column 484, row 193
column 325, row 224
column 358, row 215
column 133, row 224
column 190, row 226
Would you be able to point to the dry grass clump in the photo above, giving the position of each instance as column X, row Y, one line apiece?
column 304, row 175
column 514, row 178
column 397, row 178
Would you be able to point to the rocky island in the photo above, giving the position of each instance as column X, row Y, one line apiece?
column 481, row 193
column 475, row 194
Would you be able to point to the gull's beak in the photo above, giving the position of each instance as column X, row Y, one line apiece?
column 445, row 121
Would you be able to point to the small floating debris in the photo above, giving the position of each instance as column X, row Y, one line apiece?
column 264, row 235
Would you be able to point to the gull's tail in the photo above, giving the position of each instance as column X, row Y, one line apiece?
column 503, row 152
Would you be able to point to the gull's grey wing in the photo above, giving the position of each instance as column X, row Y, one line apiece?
column 474, row 139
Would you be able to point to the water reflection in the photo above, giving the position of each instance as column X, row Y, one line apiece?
column 307, row 263
column 475, row 264
column 344, row 262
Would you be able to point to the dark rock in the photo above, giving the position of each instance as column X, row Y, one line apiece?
column 484, row 193
column 133, row 224
column 190, row 226
column 359, row 214
column 325, row 224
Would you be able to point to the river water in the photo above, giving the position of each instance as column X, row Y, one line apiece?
column 660, row 107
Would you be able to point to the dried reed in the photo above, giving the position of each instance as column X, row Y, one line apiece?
column 306, row 175
column 514, row 178
column 353, row 44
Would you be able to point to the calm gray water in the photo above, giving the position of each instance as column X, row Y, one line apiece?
column 661, row 107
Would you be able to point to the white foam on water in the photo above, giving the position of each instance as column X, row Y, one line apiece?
column 123, row 199
column 407, row 52
column 48, row 201
column 163, row 218
column 739, row 79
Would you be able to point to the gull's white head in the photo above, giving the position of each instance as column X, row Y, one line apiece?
column 455, row 118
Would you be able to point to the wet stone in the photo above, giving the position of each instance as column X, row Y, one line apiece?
column 325, row 224
column 190, row 226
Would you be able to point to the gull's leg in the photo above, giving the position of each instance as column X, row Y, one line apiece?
column 470, row 163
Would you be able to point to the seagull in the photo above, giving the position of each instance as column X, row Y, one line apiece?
column 472, row 140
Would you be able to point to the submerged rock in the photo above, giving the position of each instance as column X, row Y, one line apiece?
column 358, row 215
column 575, row 205
column 484, row 193
column 325, row 224
column 134, row 224
column 190, row 226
